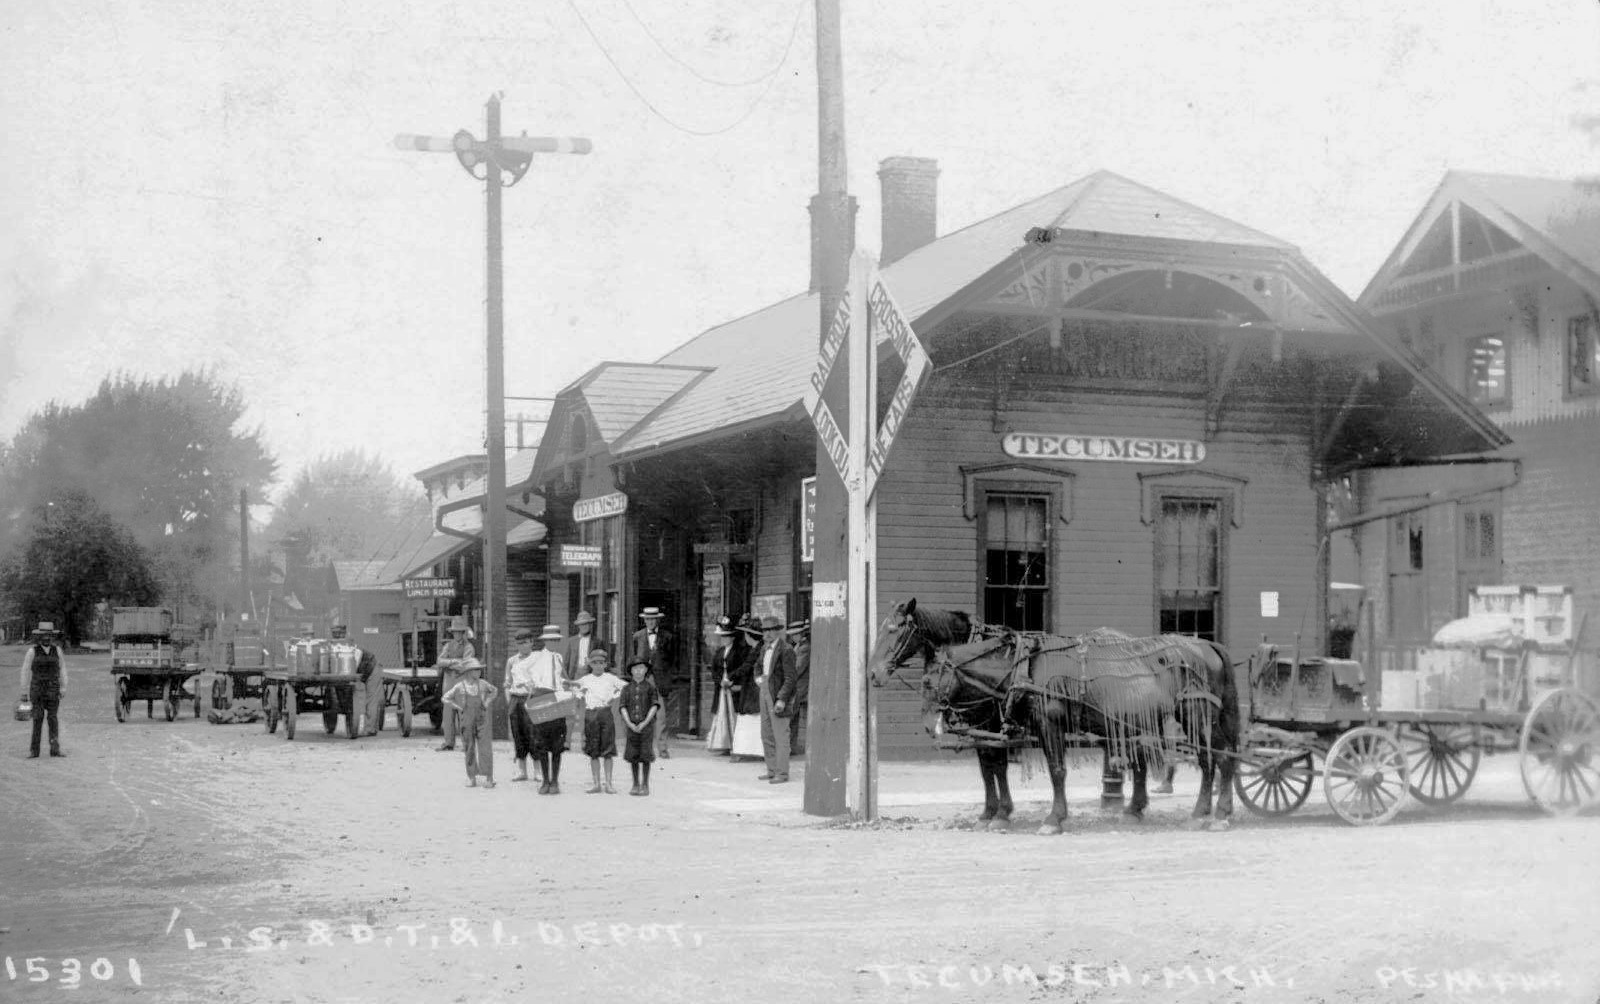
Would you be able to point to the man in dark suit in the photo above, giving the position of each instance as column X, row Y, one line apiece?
column 774, row 671
column 658, row 647
column 800, row 637
column 575, row 650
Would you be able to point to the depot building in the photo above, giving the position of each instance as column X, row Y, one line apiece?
column 1130, row 415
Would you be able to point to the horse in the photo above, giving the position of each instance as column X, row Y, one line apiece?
column 1103, row 683
column 908, row 632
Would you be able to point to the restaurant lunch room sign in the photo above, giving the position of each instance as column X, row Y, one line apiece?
column 1130, row 449
column 600, row 507
column 430, row 588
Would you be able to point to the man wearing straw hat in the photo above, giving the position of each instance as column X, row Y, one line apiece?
column 452, row 657
column 544, row 675
column 575, row 651
column 44, row 678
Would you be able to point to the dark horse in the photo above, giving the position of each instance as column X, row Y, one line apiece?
column 993, row 691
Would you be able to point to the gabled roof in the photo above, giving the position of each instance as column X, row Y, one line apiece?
column 764, row 360
column 362, row 575
column 519, row 469
column 1557, row 220
column 619, row 395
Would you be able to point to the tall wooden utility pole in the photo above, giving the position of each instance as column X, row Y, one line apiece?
column 244, row 554
column 833, row 237
column 504, row 161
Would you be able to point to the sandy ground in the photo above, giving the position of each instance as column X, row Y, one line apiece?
column 182, row 861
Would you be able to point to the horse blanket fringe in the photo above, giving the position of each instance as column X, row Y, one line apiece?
column 1131, row 691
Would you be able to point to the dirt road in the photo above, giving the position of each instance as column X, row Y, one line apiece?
column 182, row 861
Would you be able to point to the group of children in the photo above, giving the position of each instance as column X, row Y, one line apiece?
column 604, row 694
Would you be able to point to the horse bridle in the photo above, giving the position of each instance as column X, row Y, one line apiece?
column 910, row 630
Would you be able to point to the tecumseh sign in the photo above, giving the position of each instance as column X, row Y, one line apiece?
column 1132, row 449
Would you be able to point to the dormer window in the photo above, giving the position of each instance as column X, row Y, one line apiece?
column 1488, row 371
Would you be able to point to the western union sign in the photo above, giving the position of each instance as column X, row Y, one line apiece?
column 1131, row 449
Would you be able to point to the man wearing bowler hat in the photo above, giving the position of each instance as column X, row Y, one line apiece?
column 657, row 646
column 800, row 638
column 775, row 676
column 575, row 651
column 452, row 657
column 44, row 678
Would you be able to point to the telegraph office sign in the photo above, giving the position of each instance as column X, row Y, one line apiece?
column 1130, row 449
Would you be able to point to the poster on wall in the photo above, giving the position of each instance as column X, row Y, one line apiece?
column 773, row 605
column 710, row 602
column 808, row 519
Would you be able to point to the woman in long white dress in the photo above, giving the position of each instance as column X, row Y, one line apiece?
column 731, row 651
column 747, row 698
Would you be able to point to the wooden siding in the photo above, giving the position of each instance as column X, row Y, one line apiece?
column 1103, row 560
column 1552, row 517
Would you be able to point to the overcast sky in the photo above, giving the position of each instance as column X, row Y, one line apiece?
column 210, row 183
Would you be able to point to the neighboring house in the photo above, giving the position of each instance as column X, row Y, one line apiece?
column 1136, row 412
column 1497, row 286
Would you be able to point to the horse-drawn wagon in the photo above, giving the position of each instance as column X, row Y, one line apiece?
column 150, row 662
column 1256, row 728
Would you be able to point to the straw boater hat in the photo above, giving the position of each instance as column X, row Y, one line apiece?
column 469, row 664
column 749, row 626
column 458, row 623
column 552, row 632
column 771, row 623
column 724, row 627
column 522, row 633
column 46, row 629
column 650, row 613
column 584, row 617
column 799, row 627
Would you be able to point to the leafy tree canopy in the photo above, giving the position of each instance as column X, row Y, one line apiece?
column 75, row 556
column 163, row 459
column 348, row 506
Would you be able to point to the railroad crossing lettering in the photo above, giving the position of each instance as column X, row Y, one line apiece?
column 885, row 316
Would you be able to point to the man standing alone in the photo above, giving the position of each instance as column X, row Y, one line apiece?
column 44, row 679
column 575, row 651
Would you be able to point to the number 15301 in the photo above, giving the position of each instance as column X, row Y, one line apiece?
column 69, row 972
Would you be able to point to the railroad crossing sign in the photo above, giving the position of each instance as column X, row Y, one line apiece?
column 884, row 320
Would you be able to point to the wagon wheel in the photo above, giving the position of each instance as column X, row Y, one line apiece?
column 269, row 706
column 347, row 697
column 405, row 710
column 1275, row 782
column 291, row 707
column 1364, row 776
column 121, row 698
column 330, row 721
column 169, row 699
column 1561, row 752
column 1441, row 760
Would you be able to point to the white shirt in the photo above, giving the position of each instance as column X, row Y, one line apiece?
column 600, row 691
column 652, row 637
column 584, row 640
column 519, row 674
column 766, row 662
column 544, row 669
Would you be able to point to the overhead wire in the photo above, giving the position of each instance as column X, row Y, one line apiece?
column 793, row 31
column 760, row 98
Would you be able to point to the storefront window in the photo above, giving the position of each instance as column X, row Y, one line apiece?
column 602, row 587
column 1016, row 584
column 1189, row 567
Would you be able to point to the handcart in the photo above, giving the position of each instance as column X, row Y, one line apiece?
column 412, row 691
column 148, row 663
column 286, row 694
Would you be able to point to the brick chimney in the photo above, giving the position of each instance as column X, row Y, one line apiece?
column 910, row 205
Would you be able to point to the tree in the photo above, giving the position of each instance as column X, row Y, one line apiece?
column 163, row 459
column 75, row 556
column 347, row 506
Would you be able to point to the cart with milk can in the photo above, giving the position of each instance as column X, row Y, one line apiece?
column 318, row 676
column 1375, row 759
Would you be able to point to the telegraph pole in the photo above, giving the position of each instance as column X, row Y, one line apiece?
column 833, row 231
column 504, row 161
